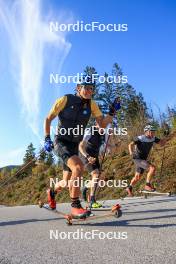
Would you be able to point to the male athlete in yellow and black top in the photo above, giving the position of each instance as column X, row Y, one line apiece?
column 73, row 111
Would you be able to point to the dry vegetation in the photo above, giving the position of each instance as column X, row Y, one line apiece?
column 28, row 189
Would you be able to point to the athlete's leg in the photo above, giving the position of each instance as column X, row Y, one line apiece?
column 64, row 182
column 151, row 173
column 94, row 183
column 69, row 154
column 57, row 188
column 136, row 178
column 77, row 168
column 141, row 165
column 94, row 186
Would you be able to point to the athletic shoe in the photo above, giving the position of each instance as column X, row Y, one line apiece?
column 148, row 187
column 129, row 191
column 51, row 199
column 79, row 212
column 96, row 205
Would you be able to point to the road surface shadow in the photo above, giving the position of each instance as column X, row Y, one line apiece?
column 151, row 211
column 21, row 222
column 129, row 222
column 146, row 202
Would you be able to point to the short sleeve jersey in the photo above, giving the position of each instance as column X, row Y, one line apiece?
column 95, row 143
column 143, row 146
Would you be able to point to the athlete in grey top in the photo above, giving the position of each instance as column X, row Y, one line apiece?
column 139, row 149
column 143, row 145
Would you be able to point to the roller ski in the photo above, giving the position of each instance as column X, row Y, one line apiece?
column 115, row 211
column 96, row 206
column 149, row 189
column 146, row 193
column 76, row 211
column 68, row 217
column 85, row 215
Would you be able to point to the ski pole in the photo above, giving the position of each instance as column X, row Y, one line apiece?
column 22, row 168
column 162, row 162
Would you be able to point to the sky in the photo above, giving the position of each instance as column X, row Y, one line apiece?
column 30, row 51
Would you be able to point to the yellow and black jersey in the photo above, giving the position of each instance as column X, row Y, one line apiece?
column 73, row 112
column 61, row 103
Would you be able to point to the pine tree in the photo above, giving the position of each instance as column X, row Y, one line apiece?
column 42, row 156
column 106, row 95
column 49, row 160
column 171, row 112
column 30, row 154
column 133, row 112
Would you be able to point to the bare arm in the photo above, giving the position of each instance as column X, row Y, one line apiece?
column 131, row 147
column 104, row 121
column 82, row 148
column 57, row 107
column 47, row 124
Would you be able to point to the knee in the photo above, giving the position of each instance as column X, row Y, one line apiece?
column 152, row 169
column 61, row 184
column 95, row 175
column 78, row 169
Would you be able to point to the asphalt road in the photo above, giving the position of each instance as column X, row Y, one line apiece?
column 146, row 233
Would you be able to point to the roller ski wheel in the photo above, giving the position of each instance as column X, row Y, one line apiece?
column 69, row 220
column 118, row 213
column 40, row 203
column 116, row 210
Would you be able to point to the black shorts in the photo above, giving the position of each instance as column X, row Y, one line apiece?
column 65, row 150
column 66, row 168
column 90, row 167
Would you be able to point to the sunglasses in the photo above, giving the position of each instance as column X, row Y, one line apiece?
column 88, row 88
